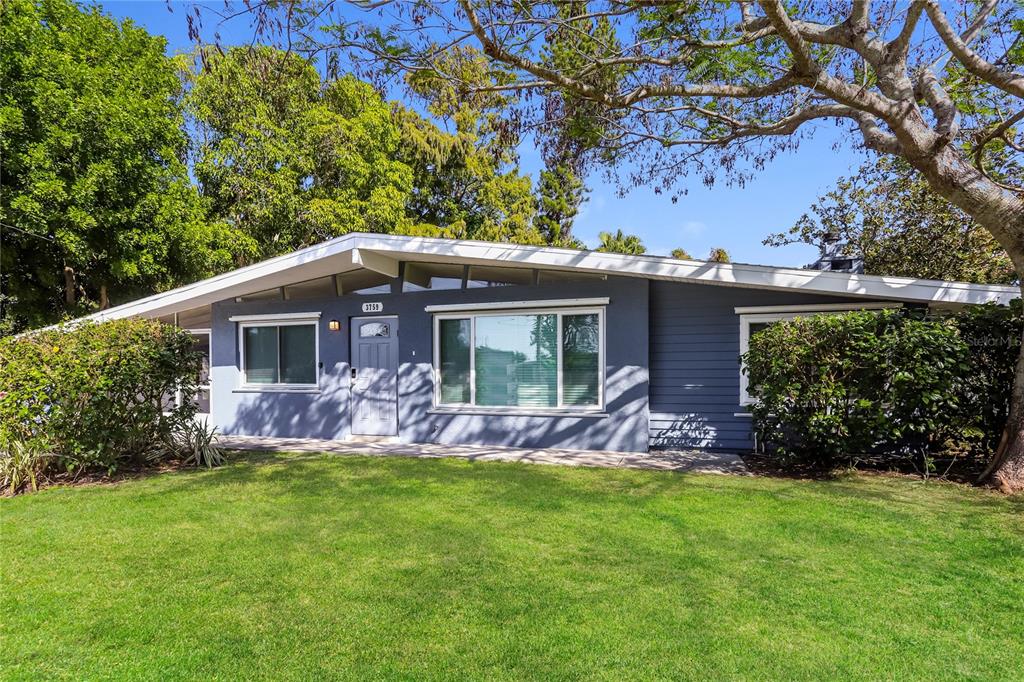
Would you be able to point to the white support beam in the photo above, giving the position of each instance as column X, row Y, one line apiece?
column 417, row 274
column 371, row 260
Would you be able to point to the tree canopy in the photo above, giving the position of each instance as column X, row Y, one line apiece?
column 620, row 242
column 888, row 215
column 291, row 159
column 96, row 202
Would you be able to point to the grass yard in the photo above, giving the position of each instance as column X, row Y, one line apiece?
column 305, row 567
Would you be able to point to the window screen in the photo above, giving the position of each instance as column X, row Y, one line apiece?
column 280, row 354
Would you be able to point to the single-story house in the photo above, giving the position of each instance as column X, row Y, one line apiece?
column 424, row 340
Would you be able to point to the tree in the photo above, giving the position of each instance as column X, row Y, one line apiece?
column 467, row 181
column 620, row 242
column 719, row 255
column 291, row 159
column 561, row 193
column 712, row 87
column 681, row 254
column 887, row 214
column 96, row 202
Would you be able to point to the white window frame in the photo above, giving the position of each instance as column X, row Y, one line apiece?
column 208, row 386
column 472, row 314
column 761, row 314
column 286, row 320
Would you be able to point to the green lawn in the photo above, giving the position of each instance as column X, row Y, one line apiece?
column 314, row 566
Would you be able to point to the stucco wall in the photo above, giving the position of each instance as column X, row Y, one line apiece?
column 325, row 414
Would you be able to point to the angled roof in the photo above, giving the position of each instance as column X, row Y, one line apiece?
column 382, row 253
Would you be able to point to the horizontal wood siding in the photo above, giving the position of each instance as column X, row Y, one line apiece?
column 695, row 368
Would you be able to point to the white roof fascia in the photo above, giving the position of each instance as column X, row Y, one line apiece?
column 728, row 274
column 336, row 256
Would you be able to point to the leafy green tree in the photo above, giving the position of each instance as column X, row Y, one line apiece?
column 96, row 202
column 681, row 254
column 620, row 242
column 291, row 161
column 467, row 181
column 887, row 214
column 719, row 255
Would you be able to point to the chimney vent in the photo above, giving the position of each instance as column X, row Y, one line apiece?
column 834, row 259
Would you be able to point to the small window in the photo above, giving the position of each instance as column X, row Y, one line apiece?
column 201, row 344
column 370, row 329
column 366, row 282
column 279, row 354
column 480, row 276
column 562, row 277
column 431, row 277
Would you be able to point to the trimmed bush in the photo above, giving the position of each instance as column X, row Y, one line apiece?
column 892, row 381
column 94, row 395
column 993, row 334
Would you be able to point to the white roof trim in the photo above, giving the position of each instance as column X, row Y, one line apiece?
column 336, row 256
column 271, row 317
column 815, row 307
column 551, row 303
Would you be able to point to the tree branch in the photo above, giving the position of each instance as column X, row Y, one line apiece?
column 1007, row 81
column 998, row 132
column 803, row 62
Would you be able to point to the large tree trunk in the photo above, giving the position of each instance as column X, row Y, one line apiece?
column 1001, row 212
column 1006, row 469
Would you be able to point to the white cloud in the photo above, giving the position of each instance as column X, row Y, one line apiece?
column 692, row 228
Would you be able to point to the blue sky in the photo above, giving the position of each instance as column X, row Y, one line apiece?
column 736, row 218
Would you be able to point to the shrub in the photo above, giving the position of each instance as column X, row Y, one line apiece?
column 887, row 381
column 94, row 395
column 993, row 334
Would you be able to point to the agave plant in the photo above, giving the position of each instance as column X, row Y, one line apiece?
column 21, row 465
column 197, row 441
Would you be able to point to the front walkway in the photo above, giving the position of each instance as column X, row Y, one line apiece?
column 695, row 461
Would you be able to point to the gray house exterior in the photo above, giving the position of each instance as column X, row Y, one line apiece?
column 438, row 341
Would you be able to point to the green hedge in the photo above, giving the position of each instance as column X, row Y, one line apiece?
column 894, row 381
column 92, row 395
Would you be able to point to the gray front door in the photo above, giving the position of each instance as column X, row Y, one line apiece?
column 375, row 376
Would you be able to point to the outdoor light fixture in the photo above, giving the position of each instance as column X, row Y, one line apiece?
column 334, row 325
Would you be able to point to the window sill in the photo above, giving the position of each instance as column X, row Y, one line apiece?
column 511, row 412
column 276, row 389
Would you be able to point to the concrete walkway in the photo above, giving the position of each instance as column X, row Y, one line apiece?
column 695, row 461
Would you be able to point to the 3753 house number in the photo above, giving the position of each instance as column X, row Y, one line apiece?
column 373, row 307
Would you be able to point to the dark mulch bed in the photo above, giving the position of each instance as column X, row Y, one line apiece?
column 127, row 471
column 958, row 469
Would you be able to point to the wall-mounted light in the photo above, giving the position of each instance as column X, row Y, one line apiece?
column 334, row 325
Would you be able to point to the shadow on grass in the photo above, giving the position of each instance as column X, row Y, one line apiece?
column 547, row 487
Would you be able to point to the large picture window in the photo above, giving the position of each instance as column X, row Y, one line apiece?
column 520, row 360
column 281, row 354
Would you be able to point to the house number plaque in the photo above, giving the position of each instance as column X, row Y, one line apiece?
column 373, row 307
